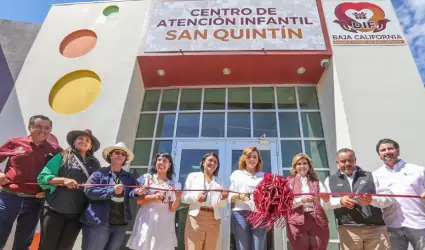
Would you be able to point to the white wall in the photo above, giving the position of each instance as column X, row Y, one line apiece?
column 369, row 93
column 133, row 105
column 377, row 93
column 114, row 115
column 113, row 59
column 334, row 120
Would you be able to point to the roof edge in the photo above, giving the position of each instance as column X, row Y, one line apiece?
column 110, row 1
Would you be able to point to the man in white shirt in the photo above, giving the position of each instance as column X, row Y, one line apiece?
column 406, row 218
column 360, row 222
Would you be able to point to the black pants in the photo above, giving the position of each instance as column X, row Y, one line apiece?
column 58, row 231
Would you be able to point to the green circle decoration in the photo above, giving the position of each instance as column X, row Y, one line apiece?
column 111, row 9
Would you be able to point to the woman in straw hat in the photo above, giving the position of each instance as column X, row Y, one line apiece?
column 108, row 212
column 308, row 224
column 65, row 200
column 154, row 227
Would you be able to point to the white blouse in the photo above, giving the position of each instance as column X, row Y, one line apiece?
column 308, row 206
column 244, row 182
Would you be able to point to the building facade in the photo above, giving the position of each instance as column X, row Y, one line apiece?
column 311, row 76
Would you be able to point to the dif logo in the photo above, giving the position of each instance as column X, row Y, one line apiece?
column 360, row 17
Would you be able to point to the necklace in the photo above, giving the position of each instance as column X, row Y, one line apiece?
column 253, row 176
column 205, row 186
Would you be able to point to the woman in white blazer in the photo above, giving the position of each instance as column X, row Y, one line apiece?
column 203, row 221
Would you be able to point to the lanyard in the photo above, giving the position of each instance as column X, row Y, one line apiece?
column 116, row 178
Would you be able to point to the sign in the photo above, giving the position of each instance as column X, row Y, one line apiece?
column 223, row 25
column 360, row 23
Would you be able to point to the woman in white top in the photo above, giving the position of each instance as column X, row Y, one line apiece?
column 154, row 227
column 308, row 224
column 245, row 180
column 203, row 221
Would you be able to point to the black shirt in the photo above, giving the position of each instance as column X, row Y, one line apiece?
column 116, row 212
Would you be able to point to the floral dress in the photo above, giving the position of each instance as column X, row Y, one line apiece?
column 154, row 227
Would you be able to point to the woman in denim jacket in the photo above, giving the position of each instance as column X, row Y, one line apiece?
column 108, row 213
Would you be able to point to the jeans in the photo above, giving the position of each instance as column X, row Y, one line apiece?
column 58, row 231
column 27, row 213
column 246, row 237
column 401, row 237
column 103, row 237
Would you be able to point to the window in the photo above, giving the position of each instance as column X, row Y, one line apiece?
column 289, row 114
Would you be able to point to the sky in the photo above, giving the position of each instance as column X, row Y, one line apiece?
column 411, row 14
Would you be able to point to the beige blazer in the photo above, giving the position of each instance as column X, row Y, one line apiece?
column 196, row 181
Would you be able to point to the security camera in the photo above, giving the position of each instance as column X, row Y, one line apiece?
column 324, row 63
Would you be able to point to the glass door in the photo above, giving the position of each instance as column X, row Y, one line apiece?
column 268, row 151
column 188, row 155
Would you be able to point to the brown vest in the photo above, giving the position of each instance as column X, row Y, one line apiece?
column 297, row 215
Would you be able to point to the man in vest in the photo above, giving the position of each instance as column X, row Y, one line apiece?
column 406, row 218
column 360, row 222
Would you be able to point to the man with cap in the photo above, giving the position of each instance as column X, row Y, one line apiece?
column 66, row 200
column 108, row 213
column 19, row 197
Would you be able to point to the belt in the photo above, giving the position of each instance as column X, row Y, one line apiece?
column 19, row 194
column 207, row 209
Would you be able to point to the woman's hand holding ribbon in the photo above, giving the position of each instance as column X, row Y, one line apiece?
column 308, row 198
column 141, row 190
column 177, row 191
column 325, row 197
column 201, row 197
column 244, row 197
column 70, row 183
column 224, row 194
column 118, row 188
column 160, row 196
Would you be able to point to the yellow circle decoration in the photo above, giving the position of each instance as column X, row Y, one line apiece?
column 74, row 92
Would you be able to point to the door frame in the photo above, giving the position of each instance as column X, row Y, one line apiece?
column 225, row 147
column 196, row 144
column 219, row 145
column 279, row 236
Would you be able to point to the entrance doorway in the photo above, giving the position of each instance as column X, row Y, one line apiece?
column 188, row 154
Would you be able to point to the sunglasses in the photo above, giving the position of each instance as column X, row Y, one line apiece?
column 124, row 154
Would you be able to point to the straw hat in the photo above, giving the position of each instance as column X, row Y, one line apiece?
column 118, row 146
column 70, row 138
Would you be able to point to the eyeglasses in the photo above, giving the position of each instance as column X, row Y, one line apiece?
column 124, row 154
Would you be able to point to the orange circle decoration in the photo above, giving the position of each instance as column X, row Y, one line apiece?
column 78, row 43
column 74, row 92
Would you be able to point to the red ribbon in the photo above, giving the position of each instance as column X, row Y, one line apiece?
column 231, row 191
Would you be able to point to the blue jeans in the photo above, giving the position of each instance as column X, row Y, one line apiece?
column 246, row 237
column 103, row 237
column 401, row 237
column 27, row 213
